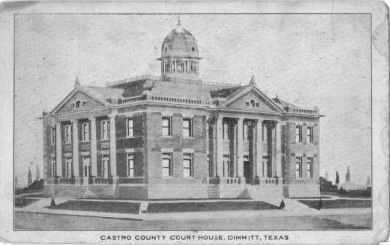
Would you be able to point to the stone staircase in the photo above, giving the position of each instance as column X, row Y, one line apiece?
column 272, row 194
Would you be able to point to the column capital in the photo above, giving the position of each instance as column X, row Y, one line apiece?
column 112, row 116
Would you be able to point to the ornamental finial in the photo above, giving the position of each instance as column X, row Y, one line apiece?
column 252, row 81
column 77, row 82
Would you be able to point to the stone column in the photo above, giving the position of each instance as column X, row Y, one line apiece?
column 259, row 148
column 235, row 134
column 214, row 147
column 253, row 149
column 75, row 153
column 92, row 121
column 240, row 143
column 219, row 146
column 278, row 150
column 58, row 148
column 114, row 173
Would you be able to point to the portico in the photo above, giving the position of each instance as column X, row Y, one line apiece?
column 245, row 150
column 78, row 147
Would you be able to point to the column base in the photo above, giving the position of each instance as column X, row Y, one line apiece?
column 242, row 180
column 115, row 180
column 77, row 180
column 85, row 180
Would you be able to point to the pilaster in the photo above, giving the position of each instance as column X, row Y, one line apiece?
column 219, row 146
column 240, row 143
column 92, row 121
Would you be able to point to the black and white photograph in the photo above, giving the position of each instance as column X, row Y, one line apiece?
column 177, row 120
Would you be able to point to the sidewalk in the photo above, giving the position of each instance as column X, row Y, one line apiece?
column 292, row 209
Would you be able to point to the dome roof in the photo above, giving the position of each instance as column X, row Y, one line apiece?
column 179, row 43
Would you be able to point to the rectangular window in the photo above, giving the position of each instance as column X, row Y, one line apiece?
column 264, row 166
column 68, row 134
column 210, row 163
column 52, row 136
column 264, row 133
column 225, row 165
column 130, row 165
column 187, row 165
column 53, row 167
column 129, row 127
column 187, row 127
column 309, row 167
column 166, row 126
column 105, row 127
column 245, row 133
column 85, row 132
column 309, row 135
column 298, row 134
column 225, row 133
column 298, row 167
column 166, row 164
column 68, row 168
column 104, row 166
column 86, row 166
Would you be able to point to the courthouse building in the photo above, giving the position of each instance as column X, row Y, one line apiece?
column 176, row 136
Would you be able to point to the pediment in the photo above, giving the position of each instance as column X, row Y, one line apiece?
column 78, row 101
column 252, row 100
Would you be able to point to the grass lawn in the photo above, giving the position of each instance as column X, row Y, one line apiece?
column 112, row 207
column 337, row 203
column 208, row 206
column 21, row 202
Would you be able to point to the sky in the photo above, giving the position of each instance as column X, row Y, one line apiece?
column 310, row 60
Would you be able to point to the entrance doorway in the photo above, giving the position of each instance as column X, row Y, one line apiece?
column 248, row 170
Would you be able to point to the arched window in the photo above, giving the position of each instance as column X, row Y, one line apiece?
column 77, row 104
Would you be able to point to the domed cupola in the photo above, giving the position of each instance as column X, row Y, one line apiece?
column 179, row 55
